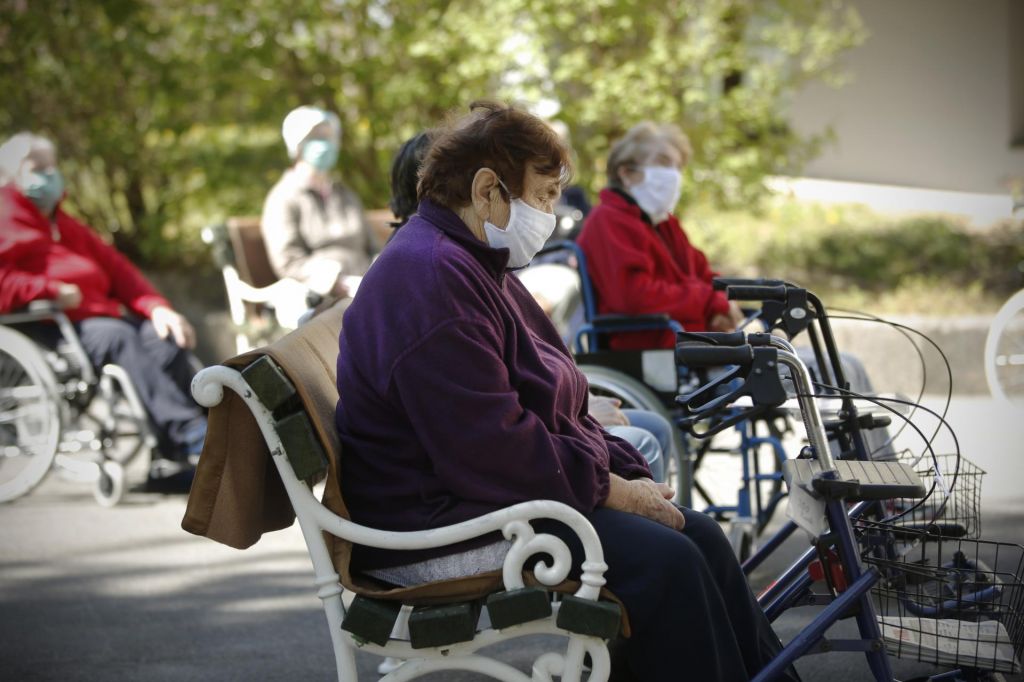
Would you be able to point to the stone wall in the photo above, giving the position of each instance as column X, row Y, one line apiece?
column 894, row 366
column 890, row 359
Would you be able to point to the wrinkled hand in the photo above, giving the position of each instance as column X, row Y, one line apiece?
column 722, row 323
column 645, row 498
column 544, row 303
column 168, row 322
column 68, row 296
column 736, row 314
column 340, row 289
column 606, row 411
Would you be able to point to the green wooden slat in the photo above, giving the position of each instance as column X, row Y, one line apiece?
column 586, row 617
column 371, row 620
column 518, row 606
column 431, row 626
column 304, row 452
column 271, row 386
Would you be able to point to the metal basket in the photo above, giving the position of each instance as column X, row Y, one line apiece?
column 951, row 602
column 953, row 504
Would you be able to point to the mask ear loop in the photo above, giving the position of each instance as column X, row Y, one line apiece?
column 508, row 192
column 509, row 200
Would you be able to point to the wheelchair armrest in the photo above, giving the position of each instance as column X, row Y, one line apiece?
column 632, row 322
column 43, row 306
column 607, row 324
column 36, row 311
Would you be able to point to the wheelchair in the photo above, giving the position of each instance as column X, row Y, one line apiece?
column 651, row 380
column 56, row 408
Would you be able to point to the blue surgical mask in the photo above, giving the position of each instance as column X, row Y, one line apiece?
column 44, row 188
column 320, row 154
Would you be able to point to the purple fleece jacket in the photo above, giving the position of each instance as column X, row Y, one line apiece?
column 458, row 397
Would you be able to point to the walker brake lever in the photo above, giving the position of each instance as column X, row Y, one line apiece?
column 760, row 381
column 690, row 423
column 706, row 399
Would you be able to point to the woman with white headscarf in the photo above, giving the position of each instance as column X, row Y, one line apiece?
column 313, row 226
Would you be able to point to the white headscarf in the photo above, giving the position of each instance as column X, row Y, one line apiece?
column 299, row 123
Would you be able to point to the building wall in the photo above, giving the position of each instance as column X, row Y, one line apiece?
column 935, row 100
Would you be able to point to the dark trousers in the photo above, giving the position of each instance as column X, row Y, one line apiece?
column 692, row 614
column 160, row 370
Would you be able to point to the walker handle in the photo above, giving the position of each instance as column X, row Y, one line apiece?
column 713, row 356
column 738, row 338
column 723, row 283
column 756, row 292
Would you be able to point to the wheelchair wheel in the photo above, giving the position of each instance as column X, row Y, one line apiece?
column 30, row 415
column 123, row 422
column 634, row 394
column 109, row 487
column 1004, row 352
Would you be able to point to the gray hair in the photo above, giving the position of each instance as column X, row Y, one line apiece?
column 15, row 150
column 638, row 143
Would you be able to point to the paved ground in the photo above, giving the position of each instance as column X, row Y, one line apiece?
column 123, row 594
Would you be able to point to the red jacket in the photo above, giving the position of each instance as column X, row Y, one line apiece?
column 638, row 269
column 36, row 256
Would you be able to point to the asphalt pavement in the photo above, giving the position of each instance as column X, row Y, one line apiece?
column 88, row 593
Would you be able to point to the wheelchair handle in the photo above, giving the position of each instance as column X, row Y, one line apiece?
column 714, row 356
column 723, row 283
column 756, row 292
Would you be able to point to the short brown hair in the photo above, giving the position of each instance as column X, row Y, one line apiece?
column 637, row 143
column 492, row 135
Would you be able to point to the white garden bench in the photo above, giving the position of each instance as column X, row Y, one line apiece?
column 289, row 388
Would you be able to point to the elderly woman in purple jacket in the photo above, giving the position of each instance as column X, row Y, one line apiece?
column 460, row 398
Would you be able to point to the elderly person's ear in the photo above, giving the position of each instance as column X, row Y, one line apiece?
column 628, row 175
column 484, row 192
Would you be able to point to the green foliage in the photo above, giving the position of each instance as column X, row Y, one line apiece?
column 852, row 256
column 167, row 112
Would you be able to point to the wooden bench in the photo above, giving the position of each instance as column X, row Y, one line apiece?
column 250, row 283
column 289, row 388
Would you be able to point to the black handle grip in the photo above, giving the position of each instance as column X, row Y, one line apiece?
column 713, row 338
column 756, row 292
column 723, row 283
column 713, row 356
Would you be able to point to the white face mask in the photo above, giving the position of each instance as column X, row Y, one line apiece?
column 658, row 193
column 527, row 230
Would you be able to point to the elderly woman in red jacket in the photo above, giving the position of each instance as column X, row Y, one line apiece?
column 638, row 255
column 45, row 254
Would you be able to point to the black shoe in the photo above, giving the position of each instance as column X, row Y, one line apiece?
column 176, row 484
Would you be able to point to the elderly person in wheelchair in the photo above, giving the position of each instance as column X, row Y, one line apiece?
column 640, row 259
column 459, row 398
column 119, row 317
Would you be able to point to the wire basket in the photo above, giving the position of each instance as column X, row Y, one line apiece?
column 952, row 506
column 951, row 602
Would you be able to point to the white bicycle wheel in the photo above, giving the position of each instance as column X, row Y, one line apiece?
column 30, row 415
column 1004, row 351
